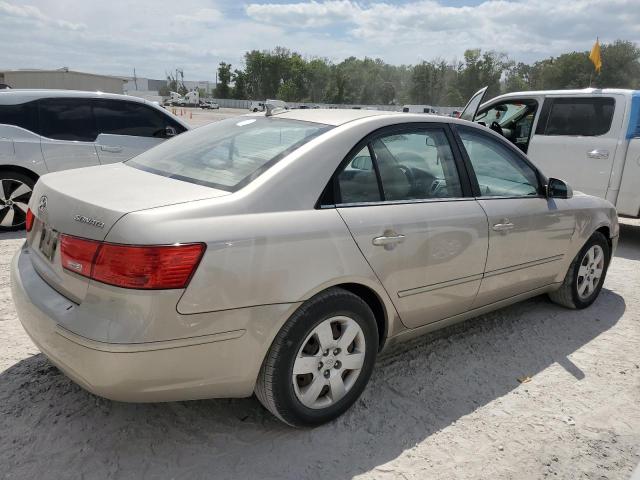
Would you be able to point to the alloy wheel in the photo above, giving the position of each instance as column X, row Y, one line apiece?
column 329, row 362
column 590, row 271
column 14, row 200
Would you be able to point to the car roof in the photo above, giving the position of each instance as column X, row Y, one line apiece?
column 329, row 116
column 583, row 91
column 337, row 116
column 18, row 95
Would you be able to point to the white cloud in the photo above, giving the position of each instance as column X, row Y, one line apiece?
column 31, row 13
column 537, row 28
column 204, row 16
column 309, row 14
column 156, row 36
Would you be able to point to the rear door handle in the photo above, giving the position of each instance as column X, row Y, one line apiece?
column 388, row 239
column 598, row 154
column 503, row 227
column 111, row 148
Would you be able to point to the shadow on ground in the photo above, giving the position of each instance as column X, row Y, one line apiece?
column 629, row 246
column 416, row 390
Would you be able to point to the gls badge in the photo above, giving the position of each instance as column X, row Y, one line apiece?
column 89, row 221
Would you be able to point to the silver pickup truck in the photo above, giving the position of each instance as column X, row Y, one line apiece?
column 590, row 137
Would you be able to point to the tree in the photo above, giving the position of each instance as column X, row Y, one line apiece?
column 224, row 79
column 287, row 75
column 239, row 84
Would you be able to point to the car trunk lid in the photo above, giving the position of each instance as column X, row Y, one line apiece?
column 86, row 203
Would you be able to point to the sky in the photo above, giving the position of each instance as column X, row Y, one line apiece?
column 157, row 36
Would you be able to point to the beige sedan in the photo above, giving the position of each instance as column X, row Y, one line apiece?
column 280, row 253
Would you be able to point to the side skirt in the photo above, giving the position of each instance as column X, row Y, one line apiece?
column 406, row 335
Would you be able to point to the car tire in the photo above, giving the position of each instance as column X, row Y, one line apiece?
column 290, row 396
column 15, row 191
column 583, row 283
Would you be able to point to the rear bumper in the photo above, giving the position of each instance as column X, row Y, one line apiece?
column 224, row 364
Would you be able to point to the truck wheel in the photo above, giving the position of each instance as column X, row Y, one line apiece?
column 586, row 274
column 15, row 192
column 320, row 361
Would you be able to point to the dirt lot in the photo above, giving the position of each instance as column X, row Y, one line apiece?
column 197, row 117
column 445, row 406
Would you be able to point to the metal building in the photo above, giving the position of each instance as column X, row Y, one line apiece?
column 62, row 79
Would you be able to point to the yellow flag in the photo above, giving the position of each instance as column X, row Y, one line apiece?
column 594, row 56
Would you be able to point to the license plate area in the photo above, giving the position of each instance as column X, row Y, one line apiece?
column 48, row 242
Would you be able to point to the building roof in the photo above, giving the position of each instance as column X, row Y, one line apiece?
column 62, row 70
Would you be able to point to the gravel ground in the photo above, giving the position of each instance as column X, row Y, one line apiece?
column 197, row 117
column 445, row 406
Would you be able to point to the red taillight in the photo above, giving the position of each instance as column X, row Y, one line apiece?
column 29, row 220
column 146, row 267
column 77, row 254
column 132, row 266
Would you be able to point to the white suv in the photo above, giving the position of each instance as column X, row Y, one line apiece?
column 45, row 131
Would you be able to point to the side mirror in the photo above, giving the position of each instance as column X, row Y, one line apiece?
column 362, row 163
column 557, row 188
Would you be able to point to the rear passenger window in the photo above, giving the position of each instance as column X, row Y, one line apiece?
column 67, row 119
column 119, row 117
column 579, row 116
column 416, row 165
column 23, row 115
column 358, row 181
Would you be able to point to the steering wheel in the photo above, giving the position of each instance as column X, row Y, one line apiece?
column 495, row 126
column 408, row 173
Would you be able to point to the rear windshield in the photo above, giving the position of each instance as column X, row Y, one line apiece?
column 229, row 154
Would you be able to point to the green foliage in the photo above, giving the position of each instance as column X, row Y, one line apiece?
column 239, row 84
column 281, row 73
column 223, row 90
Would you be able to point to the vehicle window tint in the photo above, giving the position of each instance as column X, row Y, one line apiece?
column 500, row 172
column 67, row 119
column 358, row 181
column 416, row 165
column 228, row 154
column 119, row 117
column 23, row 115
column 580, row 116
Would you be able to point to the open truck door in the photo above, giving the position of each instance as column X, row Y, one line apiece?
column 471, row 109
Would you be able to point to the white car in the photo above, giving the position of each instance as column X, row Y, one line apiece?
column 256, row 107
column 589, row 137
column 418, row 109
column 45, row 131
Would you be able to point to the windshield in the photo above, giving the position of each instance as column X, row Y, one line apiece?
column 502, row 113
column 229, row 154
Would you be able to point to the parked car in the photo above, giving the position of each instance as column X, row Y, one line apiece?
column 418, row 109
column 256, row 107
column 209, row 105
column 290, row 251
column 50, row 130
column 589, row 137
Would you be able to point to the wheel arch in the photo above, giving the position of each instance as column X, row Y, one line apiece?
column 375, row 297
column 17, row 168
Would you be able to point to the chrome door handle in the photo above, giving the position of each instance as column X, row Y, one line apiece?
column 598, row 154
column 111, row 148
column 388, row 240
column 503, row 227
